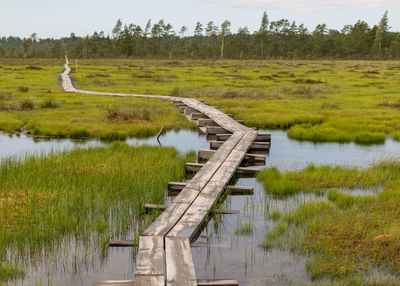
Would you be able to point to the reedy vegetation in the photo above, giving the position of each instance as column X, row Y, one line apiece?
column 347, row 236
column 90, row 195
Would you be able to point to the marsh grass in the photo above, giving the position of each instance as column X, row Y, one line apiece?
column 346, row 236
column 92, row 194
column 8, row 271
column 275, row 214
column 319, row 179
column 318, row 101
column 244, row 228
column 79, row 115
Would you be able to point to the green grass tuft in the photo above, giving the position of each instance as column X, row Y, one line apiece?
column 9, row 272
column 93, row 193
column 244, row 228
column 347, row 236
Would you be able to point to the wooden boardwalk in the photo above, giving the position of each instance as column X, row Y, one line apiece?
column 164, row 255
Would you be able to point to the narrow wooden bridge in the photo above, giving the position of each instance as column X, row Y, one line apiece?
column 164, row 254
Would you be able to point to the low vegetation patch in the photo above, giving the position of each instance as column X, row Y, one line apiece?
column 346, row 236
column 307, row 81
column 36, row 68
column 94, row 194
column 8, row 272
column 95, row 75
column 23, row 89
column 244, row 228
column 325, row 133
column 26, row 104
column 319, row 179
column 134, row 113
column 320, row 101
column 50, row 103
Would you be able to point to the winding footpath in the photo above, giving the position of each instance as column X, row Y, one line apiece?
column 164, row 255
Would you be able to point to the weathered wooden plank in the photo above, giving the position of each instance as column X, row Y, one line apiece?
column 256, row 146
column 198, row 115
column 213, row 130
column 179, row 262
column 157, row 207
column 223, row 137
column 122, row 243
column 176, row 186
column 219, row 211
column 217, row 282
column 189, row 111
column 202, row 130
column 247, row 172
column 191, row 221
column 207, row 244
column 150, row 257
column 194, row 167
column 115, row 283
column 204, row 175
column 263, row 138
column 225, row 211
column 175, row 211
column 259, row 138
column 166, row 219
column 202, row 122
column 240, row 190
column 205, row 154
column 146, row 280
column 218, row 117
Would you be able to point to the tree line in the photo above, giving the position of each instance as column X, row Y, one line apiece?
column 273, row 40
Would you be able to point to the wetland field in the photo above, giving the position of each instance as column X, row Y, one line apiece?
column 77, row 169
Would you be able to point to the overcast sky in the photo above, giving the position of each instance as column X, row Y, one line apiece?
column 55, row 18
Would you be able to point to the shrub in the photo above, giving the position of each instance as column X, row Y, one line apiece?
column 23, row 88
column 33, row 68
column 26, row 104
column 50, row 103
column 5, row 95
column 80, row 133
column 307, row 81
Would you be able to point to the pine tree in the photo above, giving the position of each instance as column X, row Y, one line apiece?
column 381, row 34
column 263, row 32
column 224, row 31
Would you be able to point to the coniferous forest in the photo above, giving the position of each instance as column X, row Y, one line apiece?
column 273, row 40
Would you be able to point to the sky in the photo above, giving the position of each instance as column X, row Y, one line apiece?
column 55, row 18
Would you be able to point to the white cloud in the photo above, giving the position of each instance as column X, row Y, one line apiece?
column 309, row 5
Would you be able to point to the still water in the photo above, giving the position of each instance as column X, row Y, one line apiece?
column 229, row 255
